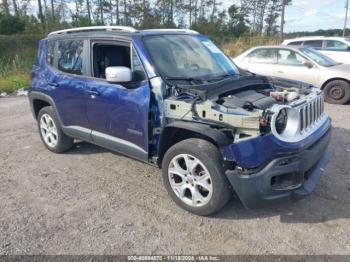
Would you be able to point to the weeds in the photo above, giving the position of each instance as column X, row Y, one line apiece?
column 17, row 56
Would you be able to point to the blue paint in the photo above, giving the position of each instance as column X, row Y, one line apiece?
column 118, row 111
column 125, row 113
column 253, row 153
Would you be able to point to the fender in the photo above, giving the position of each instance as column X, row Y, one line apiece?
column 203, row 129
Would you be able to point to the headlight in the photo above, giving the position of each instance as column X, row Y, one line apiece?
column 285, row 122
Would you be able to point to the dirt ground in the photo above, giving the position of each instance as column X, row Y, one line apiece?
column 92, row 201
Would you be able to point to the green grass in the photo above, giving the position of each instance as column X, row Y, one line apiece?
column 13, row 82
column 17, row 56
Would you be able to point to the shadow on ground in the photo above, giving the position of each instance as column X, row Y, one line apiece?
column 316, row 208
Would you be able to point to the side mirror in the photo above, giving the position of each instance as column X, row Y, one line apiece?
column 118, row 74
column 308, row 64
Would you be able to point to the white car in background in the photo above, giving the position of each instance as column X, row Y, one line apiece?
column 337, row 48
column 302, row 64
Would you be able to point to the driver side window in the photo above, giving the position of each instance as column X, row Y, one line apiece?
column 106, row 54
column 290, row 57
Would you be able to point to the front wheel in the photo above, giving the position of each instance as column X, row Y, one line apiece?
column 337, row 92
column 194, row 177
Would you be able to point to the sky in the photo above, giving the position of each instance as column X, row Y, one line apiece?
column 301, row 15
column 311, row 15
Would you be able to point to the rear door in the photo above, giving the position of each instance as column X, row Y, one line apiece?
column 337, row 50
column 118, row 112
column 260, row 61
column 68, row 83
column 290, row 65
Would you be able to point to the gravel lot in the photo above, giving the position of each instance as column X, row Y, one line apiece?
column 92, row 201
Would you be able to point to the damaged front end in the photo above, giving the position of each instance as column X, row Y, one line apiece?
column 277, row 129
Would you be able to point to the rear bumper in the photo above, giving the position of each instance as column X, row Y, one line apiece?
column 286, row 177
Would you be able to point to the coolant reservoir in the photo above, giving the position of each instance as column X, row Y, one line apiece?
column 292, row 96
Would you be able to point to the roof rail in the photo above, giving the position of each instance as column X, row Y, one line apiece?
column 94, row 28
column 173, row 30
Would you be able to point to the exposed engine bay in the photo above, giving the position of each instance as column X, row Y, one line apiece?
column 250, row 106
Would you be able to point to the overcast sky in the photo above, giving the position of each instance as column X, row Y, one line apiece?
column 302, row 15
column 310, row 15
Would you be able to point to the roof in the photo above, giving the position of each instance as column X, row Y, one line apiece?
column 115, row 30
column 296, row 47
column 314, row 38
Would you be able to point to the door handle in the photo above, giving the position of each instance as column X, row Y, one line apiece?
column 93, row 92
column 54, row 84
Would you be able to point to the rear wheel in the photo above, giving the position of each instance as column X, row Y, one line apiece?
column 194, row 177
column 51, row 132
column 337, row 92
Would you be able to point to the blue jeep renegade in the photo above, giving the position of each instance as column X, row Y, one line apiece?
column 171, row 98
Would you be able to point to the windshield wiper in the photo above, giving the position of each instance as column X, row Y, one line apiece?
column 221, row 77
column 184, row 78
column 189, row 79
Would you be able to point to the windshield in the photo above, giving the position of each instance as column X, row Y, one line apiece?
column 318, row 57
column 188, row 57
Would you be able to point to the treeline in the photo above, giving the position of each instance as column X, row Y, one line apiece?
column 321, row 32
column 212, row 17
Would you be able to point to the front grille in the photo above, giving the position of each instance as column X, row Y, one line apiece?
column 311, row 112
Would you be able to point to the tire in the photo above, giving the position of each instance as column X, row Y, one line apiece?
column 216, row 191
column 53, row 138
column 337, row 92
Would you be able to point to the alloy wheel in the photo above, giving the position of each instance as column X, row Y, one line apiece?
column 48, row 130
column 190, row 180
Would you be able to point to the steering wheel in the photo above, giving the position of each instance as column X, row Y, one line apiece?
column 194, row 67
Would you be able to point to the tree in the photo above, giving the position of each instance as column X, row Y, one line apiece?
column 238, row 21
column 5, row 7
column 41, row 15
column 274, row 10
column 11, row 25
column 15, row 7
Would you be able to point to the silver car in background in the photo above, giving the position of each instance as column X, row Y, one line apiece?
column 300, row 63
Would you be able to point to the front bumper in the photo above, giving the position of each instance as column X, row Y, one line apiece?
column 290, row 176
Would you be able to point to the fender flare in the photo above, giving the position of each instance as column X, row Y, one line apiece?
column 35, row 95
column 203, row 129
column 215, row 136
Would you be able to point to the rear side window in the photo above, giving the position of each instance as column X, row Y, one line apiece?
column 296, row 43
column 317, row 44
column 70, row 56
column 264, row 56
column 50, row 54
column 336, row 45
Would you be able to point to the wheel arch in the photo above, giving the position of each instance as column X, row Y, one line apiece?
column 333, row 79
column 181, row 130
column 39, row 100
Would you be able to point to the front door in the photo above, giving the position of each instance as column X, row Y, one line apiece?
column 290, row 65
column 118, row 112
